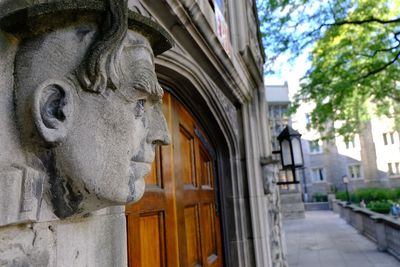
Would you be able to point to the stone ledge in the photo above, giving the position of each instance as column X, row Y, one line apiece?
column 377, row 227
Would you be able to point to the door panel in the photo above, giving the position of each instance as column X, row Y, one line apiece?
column 187, row 152
column 152, row 240
column 154, row 178
column 192, row 236
column 175, row 223
column 205, row 170
column 152, row 225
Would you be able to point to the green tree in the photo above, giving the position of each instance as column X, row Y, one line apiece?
column 355, row 51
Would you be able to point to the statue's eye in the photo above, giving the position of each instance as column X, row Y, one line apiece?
column 139, row 108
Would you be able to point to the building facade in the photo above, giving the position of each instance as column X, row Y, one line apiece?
column 277, row 97
column 209, row 199
column 278, row 107
column 278, row 102
column 368, row 160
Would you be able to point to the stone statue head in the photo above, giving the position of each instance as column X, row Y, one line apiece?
column 88, row 103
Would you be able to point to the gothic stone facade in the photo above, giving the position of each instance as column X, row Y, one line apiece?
column 81, row 86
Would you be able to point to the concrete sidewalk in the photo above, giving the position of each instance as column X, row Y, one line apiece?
column 323, row 239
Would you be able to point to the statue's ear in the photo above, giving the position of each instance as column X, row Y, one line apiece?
column 53, row 110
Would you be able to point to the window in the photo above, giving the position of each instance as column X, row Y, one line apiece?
column 278, row 128
column 393, row 168
column 314, row 147
column 275, row 112
column 385, row 139
column 317, row 175
column 279, row 111
column 275, row 145
column 220, row 4
column 354, row 171
column 350, row 144
column 284, row 112
column 388, row 138
column 308, row 120
column 221, row 26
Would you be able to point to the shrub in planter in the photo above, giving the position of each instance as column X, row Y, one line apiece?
column 379, row 206
column 372, row 194
column 396, row 193
column 341, row 195
column 320, row 197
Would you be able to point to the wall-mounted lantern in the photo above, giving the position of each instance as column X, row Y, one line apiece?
column 291, row 151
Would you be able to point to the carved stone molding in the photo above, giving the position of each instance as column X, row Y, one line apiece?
column 229, row 109
column 270, row 177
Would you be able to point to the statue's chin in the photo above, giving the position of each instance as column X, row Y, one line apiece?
column 138, row 190
column 136, row 182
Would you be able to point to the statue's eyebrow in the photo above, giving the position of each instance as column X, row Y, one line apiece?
column 157, row 96
column 145, row 83
column 143, row 87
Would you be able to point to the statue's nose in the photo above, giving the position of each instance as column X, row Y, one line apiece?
column 158, row 129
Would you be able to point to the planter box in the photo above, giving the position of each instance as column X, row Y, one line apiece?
column 381, row 229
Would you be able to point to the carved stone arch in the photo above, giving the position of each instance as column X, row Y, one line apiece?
column 184, row 80
column 180, row 71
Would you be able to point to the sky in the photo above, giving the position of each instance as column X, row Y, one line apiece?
column 290, row 72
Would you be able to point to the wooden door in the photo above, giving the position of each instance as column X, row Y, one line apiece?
column 176, row 222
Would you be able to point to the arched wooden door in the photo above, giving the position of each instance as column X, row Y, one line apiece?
column 176, row 222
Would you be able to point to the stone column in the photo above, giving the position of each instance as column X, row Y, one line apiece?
column 270, row 178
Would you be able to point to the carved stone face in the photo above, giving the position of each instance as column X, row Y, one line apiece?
column 98, row 146
column 110, row 146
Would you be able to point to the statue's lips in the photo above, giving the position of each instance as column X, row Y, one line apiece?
column 139, row 169
column 146, row 157
column 141, row 164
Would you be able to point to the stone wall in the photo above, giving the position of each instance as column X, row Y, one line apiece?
column 381, row 229
column 93, row 241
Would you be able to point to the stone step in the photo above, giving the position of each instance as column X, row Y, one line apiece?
column 290, row 208
column 293, row 215
column 292, row 205
column 317, row 206
column 291, row 198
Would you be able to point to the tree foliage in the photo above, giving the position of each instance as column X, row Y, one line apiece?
column 355, row 52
